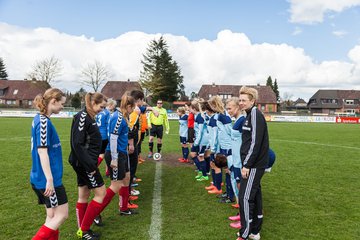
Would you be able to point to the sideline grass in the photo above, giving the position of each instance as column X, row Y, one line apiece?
column 312, row 192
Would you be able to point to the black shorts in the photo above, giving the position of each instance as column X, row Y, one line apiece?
column 104, row 145
column 156, row 131
column 191, row 135
column 58, row 198
column 123, row 166
column 86, row 179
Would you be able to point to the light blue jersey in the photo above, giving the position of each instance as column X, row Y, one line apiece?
column 201, row 132
column 213, row 132
column 224, row 125
column 44, row 135
column 183, row 128
column 236, row 140
column 102, row 120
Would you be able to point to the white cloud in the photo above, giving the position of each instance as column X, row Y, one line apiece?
column 297, row 31
column 339, row 33
column 313, row 11
column 229, row 59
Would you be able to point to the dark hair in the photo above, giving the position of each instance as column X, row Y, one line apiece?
column 220, row 160
column 97, row 98
column 41, row 101
column 206, row 106
column 137, row 94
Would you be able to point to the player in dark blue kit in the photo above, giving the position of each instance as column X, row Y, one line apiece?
column 47, row 166
column 85, row 142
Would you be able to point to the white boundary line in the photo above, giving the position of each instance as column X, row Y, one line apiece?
column 314, row 143
column 156, row 220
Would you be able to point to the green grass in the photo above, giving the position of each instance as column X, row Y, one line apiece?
column 312, row 192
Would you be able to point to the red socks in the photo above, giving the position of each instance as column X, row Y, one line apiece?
column 92, row 211
column 99, row 160
column 55, row 236
column 107, row 199
column 124, row 198
column 44, row 233
column 80, row 212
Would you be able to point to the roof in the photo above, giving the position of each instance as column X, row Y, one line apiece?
column 22, row 89
column 116, row 89
column 339, row 95
column 266, row 94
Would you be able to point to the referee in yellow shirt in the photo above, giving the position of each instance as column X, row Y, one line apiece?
column 156, row 126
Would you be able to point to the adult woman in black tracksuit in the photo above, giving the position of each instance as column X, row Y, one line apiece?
column 254, row 157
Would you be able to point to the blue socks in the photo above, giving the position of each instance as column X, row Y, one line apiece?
column 185, row 152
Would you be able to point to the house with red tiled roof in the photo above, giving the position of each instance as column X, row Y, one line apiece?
column 20, row 93
column 335, row 101
column 116, row 89
column 266, row 102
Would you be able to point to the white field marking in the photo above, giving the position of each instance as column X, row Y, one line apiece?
column 156, row 221
column 315, row 143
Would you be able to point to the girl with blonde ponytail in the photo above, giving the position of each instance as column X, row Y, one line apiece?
column 47, row 166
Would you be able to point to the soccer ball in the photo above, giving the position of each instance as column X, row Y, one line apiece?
column 157, row 156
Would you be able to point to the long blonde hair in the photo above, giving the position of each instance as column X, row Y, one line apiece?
column 97, row 98
column 216, row 103
column 126, row 100
column 251, row 92
column 41, row 101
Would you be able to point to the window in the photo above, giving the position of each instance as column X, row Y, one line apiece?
column 327, row 101
column 349, row 102
column 225, row 96
column 2, row 92
column 352, row 111
column 29, row 102
column 15, row 91
column 210, row 95
column 312, row 101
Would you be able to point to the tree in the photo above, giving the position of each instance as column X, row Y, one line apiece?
column 193, row 95
column 3, row 73
column 76, row 100
column 276, row 90
column 161, row 75
column 46, row 70
column 269, row 82
column 95, row 75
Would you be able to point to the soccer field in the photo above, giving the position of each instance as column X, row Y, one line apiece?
column 311, row 193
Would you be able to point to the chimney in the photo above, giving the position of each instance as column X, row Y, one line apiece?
column 128, row 79
column 213, row 84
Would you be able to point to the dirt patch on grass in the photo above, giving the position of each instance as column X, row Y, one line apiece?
column 171, row 159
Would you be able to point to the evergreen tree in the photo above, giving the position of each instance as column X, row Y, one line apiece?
column 276, row 90
column 161, row 75
column 3, row 73
column 269, row 82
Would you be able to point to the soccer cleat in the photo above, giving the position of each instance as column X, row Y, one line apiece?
column 90, row 235
column 226, row 200
column 224, row 195
column 150, row 155
column 268, row 169
column 199, row 175
column 236, row 225
column 128, row 212
column 138, row 180
column 134, row 192
column 134, row 184
column 235, row 205
column 254, row 236
column 235, row 218
column 215, row 191
column 132, row 205
column 79, row 233
column 180, row 159
column 202, row 178
column 133, row 198
column 211, row 187
column 98, row 221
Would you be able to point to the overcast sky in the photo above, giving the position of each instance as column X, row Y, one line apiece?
column 304, row 44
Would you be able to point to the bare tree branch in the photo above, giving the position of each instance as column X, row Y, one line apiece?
column 46, row 70
column 95, row 75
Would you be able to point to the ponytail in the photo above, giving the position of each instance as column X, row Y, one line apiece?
column 97, row 98
column 41, row 101
column 126, row 100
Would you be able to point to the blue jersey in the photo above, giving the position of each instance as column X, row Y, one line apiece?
column 102, row 120
column 44, row 135
column 183, row 128
column 201, row 132
column 213, row 132
column 118, row 134
column 224, row 125
column 236, row 140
